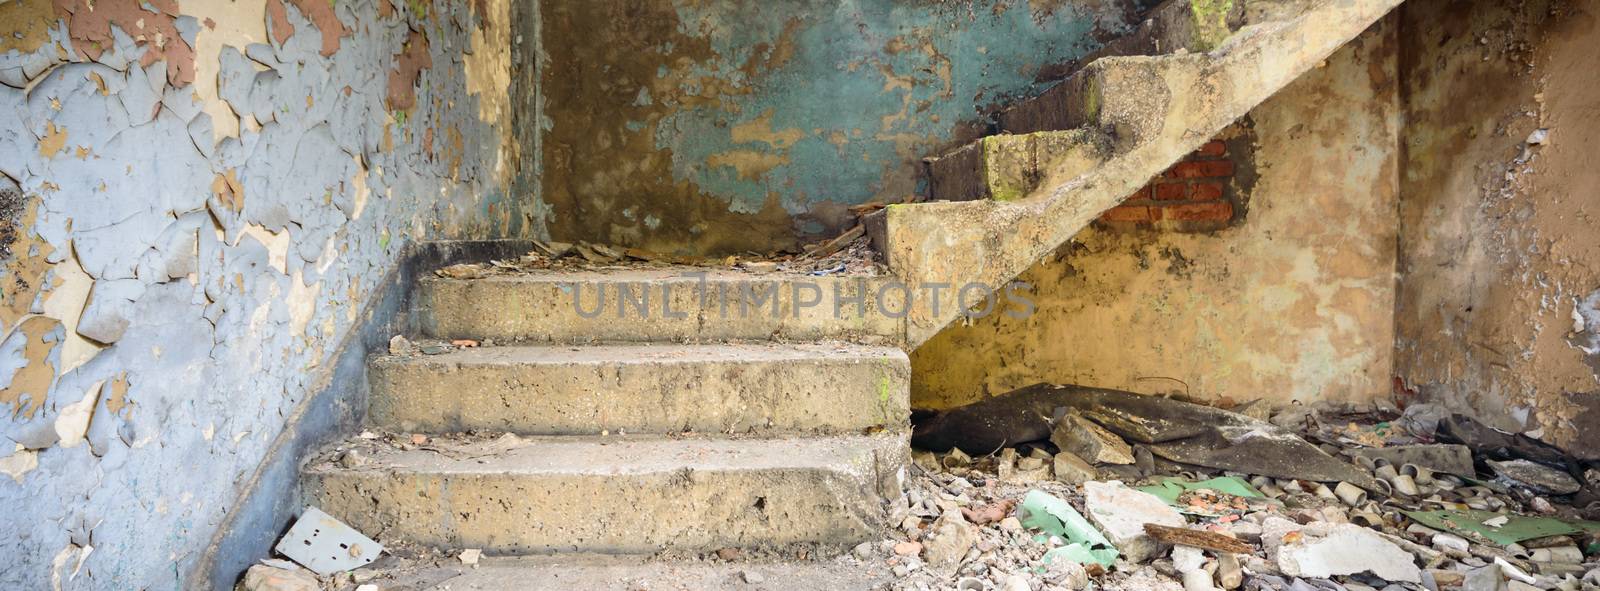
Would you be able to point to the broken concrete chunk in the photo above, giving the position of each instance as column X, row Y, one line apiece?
column 759, row 267
column 1078, row 435
column 400, row 345
column 1340, row 549
column 1230, row 574
column 951, row 537
column 1071, row 469
column 262, row 577
column 1122, row 513
column 326, row 545
column 1258, row 409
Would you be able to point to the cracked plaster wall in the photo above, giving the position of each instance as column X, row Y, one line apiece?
column 1294, row 303
column 721, row 126
column 1500, row 267
column 199, row 196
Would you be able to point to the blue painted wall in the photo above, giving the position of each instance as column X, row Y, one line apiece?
column 684, row 125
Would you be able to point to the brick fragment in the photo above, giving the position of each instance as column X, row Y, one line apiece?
column 1201, row 169
column 1212, row 148
column 1199, row 212
column 1171, row 191
column 1205, row 191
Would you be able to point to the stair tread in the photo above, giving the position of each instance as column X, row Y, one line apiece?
column 616, row 455
column 621, row 572
column 650, row 353
column 643, row 274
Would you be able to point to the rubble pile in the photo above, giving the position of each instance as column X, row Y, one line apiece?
column 1113, row 490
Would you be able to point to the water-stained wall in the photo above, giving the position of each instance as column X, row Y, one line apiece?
column 1499, row 303
column 198, row 199
column 1292, row 301
column 724, row 125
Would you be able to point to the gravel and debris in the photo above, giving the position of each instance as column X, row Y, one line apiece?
column 1497, row 527
column 851, row 255
column 969, row 522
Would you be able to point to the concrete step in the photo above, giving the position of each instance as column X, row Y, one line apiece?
column 652, row 388
column 1007, row 167
column 626, row 573
column 662, row 305
column 1074, row 126
column 1175, row 28
column 617, row 495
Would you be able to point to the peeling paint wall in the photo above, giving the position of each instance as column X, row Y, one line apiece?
column 722, row 126
column 1499, row 258
column 199, row 196
column 1292, row 302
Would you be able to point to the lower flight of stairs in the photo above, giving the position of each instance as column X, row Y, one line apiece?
column 692, row 434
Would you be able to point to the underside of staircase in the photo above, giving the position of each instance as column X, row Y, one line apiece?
column 709, row 428
column 1003, row 202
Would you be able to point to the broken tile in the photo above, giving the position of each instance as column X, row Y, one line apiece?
column 1342, row 549
column 1121, row 513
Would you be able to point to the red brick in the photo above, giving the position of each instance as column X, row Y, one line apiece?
column 1142, row 195
column 1204, row 191
column 1201, row 169
column 1199, row 212
column 1171, row 191
column 1212, row 148
column 1127, row 213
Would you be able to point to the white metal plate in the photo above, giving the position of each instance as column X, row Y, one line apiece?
column 326, row 545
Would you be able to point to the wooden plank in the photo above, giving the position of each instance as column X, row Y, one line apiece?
column 1202, row 539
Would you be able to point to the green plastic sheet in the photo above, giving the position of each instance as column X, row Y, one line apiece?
column 1172, row 487
column 1517, row 528
column 1048, row 513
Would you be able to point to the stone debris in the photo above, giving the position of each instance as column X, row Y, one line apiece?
column 1413, row 511
column 262, row 577
column 1071, row 469
column 1021, row 517
column 1082, row 437
column 1122, row 513
column 1325, row 550
column 949, row 540
column 850, row 254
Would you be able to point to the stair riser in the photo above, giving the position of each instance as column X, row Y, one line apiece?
column 793, row 308
column 825, row 395
column 1174, row 25
column 834, row 508
column 1009, row 167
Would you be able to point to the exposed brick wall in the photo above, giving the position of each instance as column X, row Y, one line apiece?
column 1196, row 195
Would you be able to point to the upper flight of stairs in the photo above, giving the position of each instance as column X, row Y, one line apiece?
column 1001, row 203
column 668, row 420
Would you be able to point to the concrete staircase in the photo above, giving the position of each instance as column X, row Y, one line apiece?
column 636, row 432
column 678, row 418
column 1003, row 202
